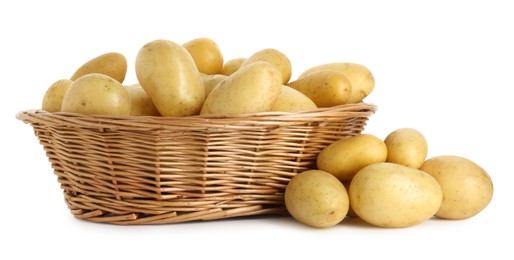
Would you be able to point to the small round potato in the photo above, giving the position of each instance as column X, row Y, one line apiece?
column 141, row 103
column 317, row 199
column 231, row 66
column 345, row 157
column 52, row 101
column 206, row 54
column 275, row 58
column 112, row 64
column 326, row 88
column 466, row 186
column 291, row 100
column 96, row 93
column 393, row 195
column 406, row 146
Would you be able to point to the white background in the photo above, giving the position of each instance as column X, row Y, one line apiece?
column 443, row 67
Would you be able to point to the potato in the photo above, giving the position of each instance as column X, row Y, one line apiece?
column 317, row 199
column 231, row 66
column 206, row 54
column 345, row 157
column 393, row 195
column 326, row 88
column 253, row 88
column 96, row 93
column 168, row 73
column 406, row 146
column 467, row 187
column 360, row 77
column 211, row 81
column 52, row 100
column 291, row 100
column 141, row 103
column 112, row 64
column 275, row 58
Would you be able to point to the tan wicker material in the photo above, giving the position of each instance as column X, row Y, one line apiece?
column 154, row 170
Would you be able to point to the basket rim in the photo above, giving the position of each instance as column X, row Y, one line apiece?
column 69, row 119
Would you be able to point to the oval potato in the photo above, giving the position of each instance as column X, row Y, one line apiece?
column 141, row 103
column 467, row 187
column 206, row 54
column 275, row 58
column 406, row 146
column 393, row 195
column 112, row 64
column 232, row 66
column 211, row 81
column 253, row 88
column 52, row 100
column 96, row 93
column 168, row 73
column 291, row 100
column 360, row 78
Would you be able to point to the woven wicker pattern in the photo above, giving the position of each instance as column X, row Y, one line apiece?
column 154, row 170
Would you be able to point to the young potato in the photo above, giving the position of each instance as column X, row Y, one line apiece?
column 345, row 157
column 141, row 103
column 393, row 195
column 406, row 146
column 231, row 66
column 291, row 100
column 275, row 58
column 168, row 73
column 317, row 199
column 467, row 187
column 211, row 81
column 361, row 79
column 326, row 88
column 52, row 101
column 112, row 64
column 253, row 88
column 96, row 93
column 206, row 54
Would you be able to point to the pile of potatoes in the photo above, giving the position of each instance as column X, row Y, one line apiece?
column 387, row 183
column 193, row 79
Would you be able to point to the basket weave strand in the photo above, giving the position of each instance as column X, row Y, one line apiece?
column 156, row 170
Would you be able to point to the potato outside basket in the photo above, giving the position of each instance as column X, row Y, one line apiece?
column 155, row 170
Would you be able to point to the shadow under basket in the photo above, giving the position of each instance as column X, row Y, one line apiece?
column 153, row 170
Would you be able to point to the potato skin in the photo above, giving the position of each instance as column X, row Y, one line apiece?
column 112, row 64
column 275, row 58
column 253, row 88
column 360, row 77
column 206, row 54
column 291, row 100
column 52, row 100
column 317, row 199
column 326, row 88
column 211, row 81
column 168, row 73
column 345, row 157
column 466, row 186
column 141, row 103
column 406, row 146
column 393, row 195
column 232, row 66
column 96, row 93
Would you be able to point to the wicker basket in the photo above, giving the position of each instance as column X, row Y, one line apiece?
column 154, row 170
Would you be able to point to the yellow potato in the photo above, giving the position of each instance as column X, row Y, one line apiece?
column 406, row 146
column 317, row 199
column 112, row 64
column 211, row 81
column 52, row 101
column 141, row 103
column 168, row 73
column 275, row 58
column 252, row 89
column 345, row 157
column 326, row 88
column 96, row 93
column 360, row 78
column 206, row 54
column 291, row 100
column 231, row 66
column 467, row 187
column 393, row 195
